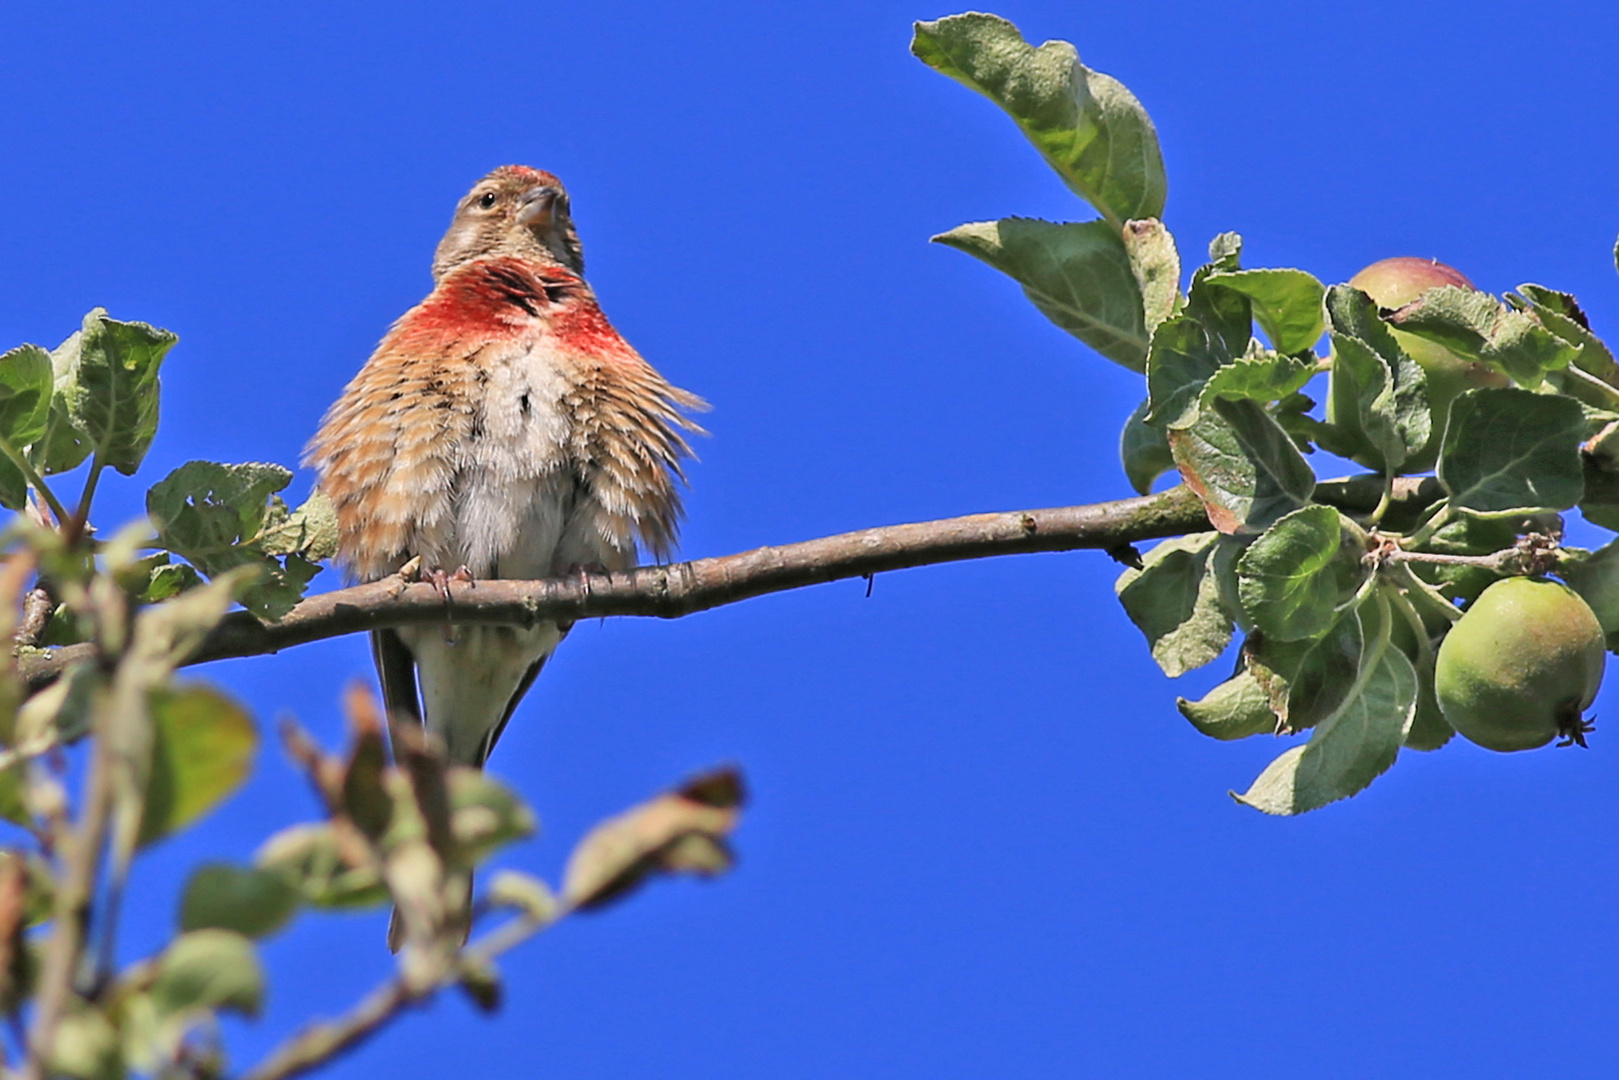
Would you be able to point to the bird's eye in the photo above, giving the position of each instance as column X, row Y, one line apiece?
column 487, row 200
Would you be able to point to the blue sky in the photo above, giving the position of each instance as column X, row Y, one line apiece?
column 982, row 840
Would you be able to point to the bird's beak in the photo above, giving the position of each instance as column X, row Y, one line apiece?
column 538, row 208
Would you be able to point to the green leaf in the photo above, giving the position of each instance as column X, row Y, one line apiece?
column 1294, row 577
column 1182, row 358
column 65, row 443
column 309, row 531
column 167, row 634
column 1223, row 563
column 242, row 899
column 1225, row 253
column 61, row 711
column 307, row 858
column 1358, row 741
column 1236, row 709
column 484, row 813
column 86, row 1046
column 221, row 517
column 1175, row 601
column 1429, row 728
column 1286, row 303
column 1243, row 466
column 209, row 970
column 169, row 580
column 1144, row 450
column 13, row 486
column 1307, row 680
column 203, row 750
column 1293, row 414
column 1263, row 377
column 26, row 379
column 1479, row 327
column 1595, row 576
column 1379, row 398
column 1087, row 126
column 1078, row 275
column 1384, row 408
column 1227, row 314
column 1157, row 268
column 1560, row 313
column 1513, row 450
column 117, row 376
column 204, row 508
column 279, row 588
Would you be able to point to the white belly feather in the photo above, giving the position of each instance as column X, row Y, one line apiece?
column 519, row 513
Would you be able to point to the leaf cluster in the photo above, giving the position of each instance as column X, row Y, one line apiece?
column 1341, row 611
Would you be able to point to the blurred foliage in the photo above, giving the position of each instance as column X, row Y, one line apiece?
column 397, row 824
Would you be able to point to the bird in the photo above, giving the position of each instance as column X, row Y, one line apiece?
column 502, row 428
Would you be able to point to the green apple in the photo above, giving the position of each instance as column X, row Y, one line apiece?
column 1521, row 666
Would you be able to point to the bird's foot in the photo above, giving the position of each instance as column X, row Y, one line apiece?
column 439, row 579
column 583, row 571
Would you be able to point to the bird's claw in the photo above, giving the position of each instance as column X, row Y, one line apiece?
column 583, row 572
column 440, row 580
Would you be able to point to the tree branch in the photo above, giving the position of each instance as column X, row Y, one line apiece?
column 683, row 588
column 318, row 1043
column 678, row 589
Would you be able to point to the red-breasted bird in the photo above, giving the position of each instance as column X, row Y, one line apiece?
column 502, row 429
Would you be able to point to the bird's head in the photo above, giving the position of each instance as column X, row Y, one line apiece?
column 515, row 210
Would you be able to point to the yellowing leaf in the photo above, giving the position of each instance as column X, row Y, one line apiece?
column 203, row 750
column 683, row 831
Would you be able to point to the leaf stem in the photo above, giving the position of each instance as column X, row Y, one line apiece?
column 81, row 516
column 1386, row 499
column 1415, row 585
column 1436, row 521
column 320, row 1043
column 36, row 481
column 1418, row 627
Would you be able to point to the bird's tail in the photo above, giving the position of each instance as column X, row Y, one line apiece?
column 396, row 922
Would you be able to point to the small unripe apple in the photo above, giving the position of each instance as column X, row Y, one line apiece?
column 1522, row 665
column 1393, row 283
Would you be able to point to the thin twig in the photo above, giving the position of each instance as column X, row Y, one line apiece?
column 37, row 608
column 1497, row 561
column 317, row 1044
column 70, row 921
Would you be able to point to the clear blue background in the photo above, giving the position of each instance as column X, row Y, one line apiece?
column 982, row 841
